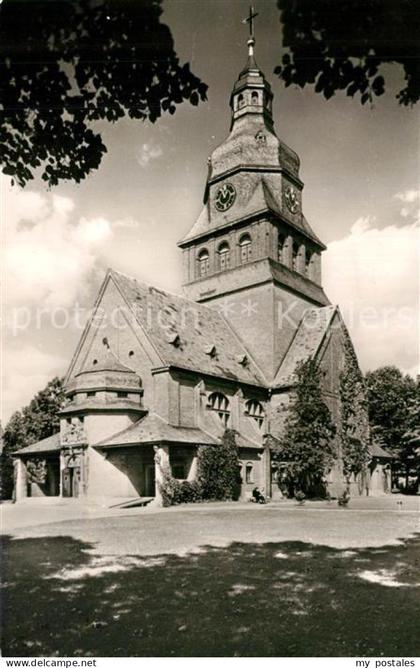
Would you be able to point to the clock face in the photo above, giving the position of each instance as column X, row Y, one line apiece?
column 292, row 200
column 225, row 197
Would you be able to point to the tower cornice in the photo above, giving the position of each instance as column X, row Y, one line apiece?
column 265, row 271
column 246, row 220
column 256, row 168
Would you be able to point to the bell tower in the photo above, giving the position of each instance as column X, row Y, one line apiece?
column 251, row 93
column 251, row 253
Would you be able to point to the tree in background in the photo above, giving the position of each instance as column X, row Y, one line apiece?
column 343, row 45
column 410, row 454
column 394, row 414
column 389, row 393
column 306, row 452
column 36, row 421
column 218, row 469
column 68, row 63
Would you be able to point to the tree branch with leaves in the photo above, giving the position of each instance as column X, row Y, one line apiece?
column 345, row 45
column 66, row 64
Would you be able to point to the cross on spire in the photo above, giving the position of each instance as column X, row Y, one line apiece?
column 250, row 19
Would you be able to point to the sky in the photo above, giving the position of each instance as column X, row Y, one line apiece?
column 360, row 166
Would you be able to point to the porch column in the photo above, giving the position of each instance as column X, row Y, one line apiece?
column 62, row 467
column 161, row 463
column 21, row 482
column 266, row 464
column 192, row 475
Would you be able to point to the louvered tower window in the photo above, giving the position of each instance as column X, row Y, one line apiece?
column 203, row 263
column 295, row 254
column 245, row 245
column 280, row 248
column 308, row 258
column 224, row 256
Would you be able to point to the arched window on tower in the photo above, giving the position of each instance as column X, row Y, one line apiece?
column 241, row 101
column 255, row 410
column 280, row 248
column 254, row 97
column 295, row 255
column 224, row 256
column 203, row 263
column 219, row 403
column 245, row 246
column 308, row 260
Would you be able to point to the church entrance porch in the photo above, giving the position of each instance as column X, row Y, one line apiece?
column 124, row 472
column 42, row 476
column 137, row 470
column 73, row 471
column 71, row 481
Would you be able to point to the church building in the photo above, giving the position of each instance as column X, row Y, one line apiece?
column 156, row 375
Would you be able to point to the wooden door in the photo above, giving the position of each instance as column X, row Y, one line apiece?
column 150, row 482
column 67, row 487
column 71, row 481
column 75, row 487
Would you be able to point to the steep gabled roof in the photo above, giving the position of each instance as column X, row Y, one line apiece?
column 50, row 444
column 182, row 331
column 306, row 342
column 154, row 429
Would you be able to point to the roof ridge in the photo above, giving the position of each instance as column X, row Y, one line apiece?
column 150, row 285
column 328, row 307
column 163, row 290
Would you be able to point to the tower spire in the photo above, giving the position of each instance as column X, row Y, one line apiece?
column 251, row 96
column 250, row 20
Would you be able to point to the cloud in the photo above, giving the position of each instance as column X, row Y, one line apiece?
column 126, row 223
column 147, row 153
column 25, row 372
column 92, row 231
column 362, row 225
column 48, row 255
column 410, row 199
column 408, row 196
column 413, row 371
column 373, row 275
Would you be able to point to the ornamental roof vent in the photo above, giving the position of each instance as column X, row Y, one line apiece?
column 174, row 339
column 242, row 360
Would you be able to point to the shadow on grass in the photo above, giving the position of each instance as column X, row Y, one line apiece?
column 271, row 599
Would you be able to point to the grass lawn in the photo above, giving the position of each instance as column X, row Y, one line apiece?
column 215, row 582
